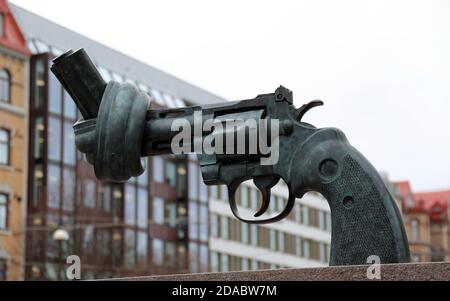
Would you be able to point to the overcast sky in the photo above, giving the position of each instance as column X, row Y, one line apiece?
column 381, row 67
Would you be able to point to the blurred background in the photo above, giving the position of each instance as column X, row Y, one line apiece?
column 381, row 67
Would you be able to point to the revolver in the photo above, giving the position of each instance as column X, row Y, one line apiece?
column 118, row 128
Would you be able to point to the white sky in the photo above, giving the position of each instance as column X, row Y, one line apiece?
column 382, row 67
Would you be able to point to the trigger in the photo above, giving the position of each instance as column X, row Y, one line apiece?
column 265, row 184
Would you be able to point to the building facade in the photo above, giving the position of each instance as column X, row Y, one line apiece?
column 426, row 218
column 13, row 145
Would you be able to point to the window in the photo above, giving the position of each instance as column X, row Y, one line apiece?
column 305, row 216
column 69, row 144
column 281, row 241
column 142, row 211
column 214, row 262
column 225, row 263
column 130, row 204
column 4, row 146
column 214, row 225
column 193, row 257
column 171, row 173
column 69, row 189
column 130, row 253
column 157, row 251
column 224, row 227
column 244, row 196
column 298, row 246
column 172, row 214
column 193, row 220
column 170, row 254
column 38, row 186
column 254, row 229
column 53, row 186
column 142, row 247
column 89, row 194
column 39, row 138
column 158, row 211
column 54, row 139
column 306, row 248
column 39, row 92
column 158, row 169
column 193, row 181
column 203, row 221
column 244, row 233
column 415, row 229
column 3, row 270
column 203, row 254
column 5, row 86
column 54, row 95
column 70, row 110
column 3, row 211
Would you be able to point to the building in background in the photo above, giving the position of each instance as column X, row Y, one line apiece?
column 137, row 228
column 426, row 217
column 300, row 240
column 13, row 144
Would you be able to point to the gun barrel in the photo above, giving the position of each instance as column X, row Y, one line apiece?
column 81, row 79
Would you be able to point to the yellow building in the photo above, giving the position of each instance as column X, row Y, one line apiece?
column 13, row 145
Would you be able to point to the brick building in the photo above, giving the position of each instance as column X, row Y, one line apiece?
column 426, row 218
column 13, row 144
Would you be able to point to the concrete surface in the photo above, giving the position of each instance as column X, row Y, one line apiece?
column 393, row 272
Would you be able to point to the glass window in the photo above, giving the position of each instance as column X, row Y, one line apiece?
column 281, row 241
column 157, row 251
column 89, row 193
column 322, row 220
column 105, row 194
column 254, row 265
column 130, row 204
column 244, row 196
column 142, row 208
column 70, row 109
column 322, row 252
column 273, row 203
column 171, row 173
column 244, row 233
column 69, row 189
column 172, row 214
column 158, row 169
column 297, row 213
column 415, row 229
column 53, row 186
column 38, row 185
column 170, row 254
column 224, row 192
column 117, row 200
column 158, row 211
column 193, row 181
column 39, row 138
column 130, row 253
column 298, row 246
column 203, row 258
column 143, row 179
column 3, row 211
column 224, row 231
column 225, row 264
column 245, row 264
column 69, row 144
column 305, row 215
column 54, row 139
column 39, row 93
column 104, row 236
column 254, row 229
column 214, row 225
column 4, row 146
column 214, row 192
column 273, row 240
column 203, row 223
column 214, row 262
column 54, row 94
column 5, row 85
column 193, row 220
column 142, row 241
column 254, row 199
column 181, row 180
column 193, row 257
column 88, row 240
column 203, row 191
column 306, row 248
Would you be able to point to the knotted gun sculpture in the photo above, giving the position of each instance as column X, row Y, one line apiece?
column 118, row 128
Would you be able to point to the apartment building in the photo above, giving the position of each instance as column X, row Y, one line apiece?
column 301, row 240
column 13, row 144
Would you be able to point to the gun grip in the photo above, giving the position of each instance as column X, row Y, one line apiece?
column 365, row 218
